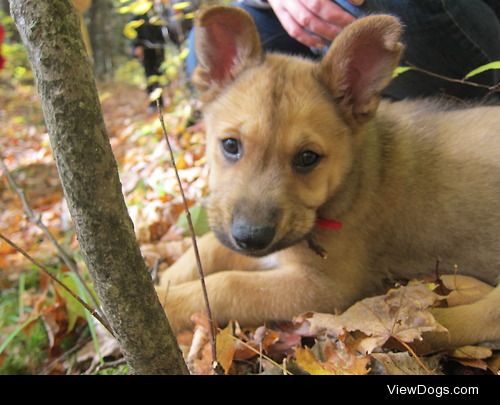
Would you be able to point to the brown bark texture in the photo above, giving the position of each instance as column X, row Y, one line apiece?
column 89, row 175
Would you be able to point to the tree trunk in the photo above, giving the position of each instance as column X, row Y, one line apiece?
column 101, row 30
column 89, row 176
column 4, row 6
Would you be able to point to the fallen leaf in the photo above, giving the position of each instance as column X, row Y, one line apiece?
column 344, row 359
column 305, row 360
column 404, row 364
column 464, row 289
column 494, row 364
column 280, row 344
column 480, row 364
column 6, row 249
column 199, row 358
column 472, row 353
column 403, row 313
column 199, row 219
column 200, row 339
column 108, row 346
column 243, row 352
column 226, row 347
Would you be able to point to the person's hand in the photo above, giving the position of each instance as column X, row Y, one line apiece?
column 139, row 52
column 312, row 22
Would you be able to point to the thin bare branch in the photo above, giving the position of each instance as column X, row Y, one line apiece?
column 491, row 89
column 259, row 353
column 413, row 354
column 37, row 220
column 92, row 311
column 111, row 364
column 79, row 345
column 195, row 245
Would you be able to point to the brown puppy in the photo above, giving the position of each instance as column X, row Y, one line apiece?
column 300, row 150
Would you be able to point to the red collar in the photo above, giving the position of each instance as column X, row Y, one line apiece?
column 329, row 224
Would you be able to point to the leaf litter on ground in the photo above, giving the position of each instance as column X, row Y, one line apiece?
column 354, row 342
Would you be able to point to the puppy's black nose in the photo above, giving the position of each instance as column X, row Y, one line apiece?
column 251, row 237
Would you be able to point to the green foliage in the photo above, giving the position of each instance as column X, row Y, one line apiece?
column 74, row 309
column 23, row 341
column 23, row 334
column 28, row 351
column 8, row 24
column 489, row 66
column 8, row 307
column 400, row 70
column 17, row 68
column 199, row 218
column 10, row 298
column 130, row 72
column 484, row 68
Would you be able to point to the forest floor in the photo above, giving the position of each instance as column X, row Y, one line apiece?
column 44, row 331
column 152, row 196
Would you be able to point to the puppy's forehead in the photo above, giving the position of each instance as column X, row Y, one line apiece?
column 271, row 96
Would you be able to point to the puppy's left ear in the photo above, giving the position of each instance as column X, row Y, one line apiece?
column 227, row 43
column 360, row 64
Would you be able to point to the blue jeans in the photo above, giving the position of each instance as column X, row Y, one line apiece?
column 447, row 37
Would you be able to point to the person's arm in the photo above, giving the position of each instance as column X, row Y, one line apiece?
column 256, row 3
column 312, row 22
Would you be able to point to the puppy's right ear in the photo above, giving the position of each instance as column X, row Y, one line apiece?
column 227, row 43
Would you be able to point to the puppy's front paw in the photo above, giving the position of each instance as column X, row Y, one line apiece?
column 179, row 303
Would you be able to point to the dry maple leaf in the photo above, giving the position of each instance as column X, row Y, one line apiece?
column 464, row 289
column 333, row 356
column 403, row 313
column 199, row 356
column 472, row 353
column 494, row 364
column 108, row 346
column 404, row 364
column 226, row 347
column 472, row 356
column 340, row 356
column 306, row 360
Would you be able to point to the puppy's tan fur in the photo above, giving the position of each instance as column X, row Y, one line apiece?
column 410, row 181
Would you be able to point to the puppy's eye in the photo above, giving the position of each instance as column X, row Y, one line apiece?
column 231, row 148
column 305, row 161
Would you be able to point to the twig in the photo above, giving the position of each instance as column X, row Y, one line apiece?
column 316, row 247
column 436, row 270
column 37, row 220
column 253, row 349
column 396, row 316
column 493, row 88
column 261, row 352
column 92, row 311
column 74, row 349
column 195, row 245
column 412, row 352
column 110, row 364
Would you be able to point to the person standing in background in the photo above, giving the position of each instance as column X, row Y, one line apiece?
column 149, row 48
